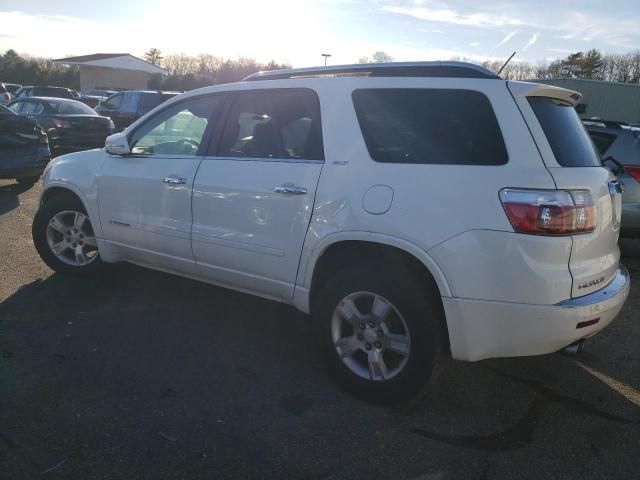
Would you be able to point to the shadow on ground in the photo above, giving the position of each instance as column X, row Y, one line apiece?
column 9, row 196
column 138, row 374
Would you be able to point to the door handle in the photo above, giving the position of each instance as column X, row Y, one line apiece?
column 290, row 189
column 173, row 180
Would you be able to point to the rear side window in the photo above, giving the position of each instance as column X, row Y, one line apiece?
column 149, row 101
column 278, row 124
column 32, row 108
column 602, row 140
column 429, row 126
column 565, row 133
column 51, row 92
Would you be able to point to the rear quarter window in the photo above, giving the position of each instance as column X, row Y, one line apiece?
column 565, row 133
column 429, row 126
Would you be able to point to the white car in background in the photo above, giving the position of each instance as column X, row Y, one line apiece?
column 415, row 210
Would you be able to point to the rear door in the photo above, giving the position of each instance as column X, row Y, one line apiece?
column 575, row 164
column 254, row 192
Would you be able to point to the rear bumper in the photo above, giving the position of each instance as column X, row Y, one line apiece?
column 485, row 329
column 23, row 171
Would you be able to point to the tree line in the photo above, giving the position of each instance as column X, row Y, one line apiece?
column 28, row 70
column 592, row 64
column 186, row 72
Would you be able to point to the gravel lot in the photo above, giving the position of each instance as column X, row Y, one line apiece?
column 143, row 375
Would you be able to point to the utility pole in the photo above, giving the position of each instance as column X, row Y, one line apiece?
column 326, row 56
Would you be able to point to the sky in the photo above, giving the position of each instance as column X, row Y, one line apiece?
column 299, row 31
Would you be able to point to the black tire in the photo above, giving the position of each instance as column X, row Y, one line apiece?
column 418, row 303
column 45, row 213
column 27, row 181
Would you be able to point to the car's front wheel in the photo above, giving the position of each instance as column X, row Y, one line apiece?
column 64, row 237
column 382, row 334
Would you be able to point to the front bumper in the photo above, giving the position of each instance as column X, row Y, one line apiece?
column 484, row 329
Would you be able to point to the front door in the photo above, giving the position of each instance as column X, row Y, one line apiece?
column 254, row 191
column 145, row 197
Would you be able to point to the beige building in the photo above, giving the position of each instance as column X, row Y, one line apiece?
column 112, row 71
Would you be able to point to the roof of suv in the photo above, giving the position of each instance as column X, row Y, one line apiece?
column 392, row 69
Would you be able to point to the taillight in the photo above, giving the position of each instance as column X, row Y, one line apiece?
column 634, row 171
column 549, row 212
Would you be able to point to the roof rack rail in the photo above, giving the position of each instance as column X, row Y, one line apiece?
column 393, row 69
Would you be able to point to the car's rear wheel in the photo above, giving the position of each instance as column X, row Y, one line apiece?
column 64, row 237
column 383, row 337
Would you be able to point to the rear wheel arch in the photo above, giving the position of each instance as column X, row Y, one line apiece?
column 341, row 250
column 346, row 253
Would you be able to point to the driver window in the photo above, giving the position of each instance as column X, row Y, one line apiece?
column 177, row 130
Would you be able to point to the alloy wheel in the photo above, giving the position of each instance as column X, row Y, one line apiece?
column 370, row 336
column 71, row 238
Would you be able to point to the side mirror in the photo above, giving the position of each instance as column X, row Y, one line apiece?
column 117, row 144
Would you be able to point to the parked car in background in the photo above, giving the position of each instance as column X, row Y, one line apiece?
column 94, row 97
column 99, row 93
column 57, row 92
column 124, row 108
column 5, row 96
column 12, row 88
column 621, row 142
column 24, row 148
column 416, row 210
column 70, row 125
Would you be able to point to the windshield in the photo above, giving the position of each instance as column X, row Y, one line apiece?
column 564, row 131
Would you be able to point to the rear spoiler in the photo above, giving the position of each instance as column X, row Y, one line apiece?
column 528, row 89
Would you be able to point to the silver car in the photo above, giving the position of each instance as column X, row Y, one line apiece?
column 619, row 146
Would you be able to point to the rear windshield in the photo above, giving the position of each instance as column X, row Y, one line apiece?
column 70, row 108
column 564, row 131
column 429, row 126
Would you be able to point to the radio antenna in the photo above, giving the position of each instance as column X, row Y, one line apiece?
column 505, row 63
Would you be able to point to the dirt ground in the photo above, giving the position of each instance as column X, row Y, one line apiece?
column 143, row 375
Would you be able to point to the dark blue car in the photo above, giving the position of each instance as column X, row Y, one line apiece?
column 24, row 148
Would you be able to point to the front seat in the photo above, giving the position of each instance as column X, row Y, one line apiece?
column 265, row 142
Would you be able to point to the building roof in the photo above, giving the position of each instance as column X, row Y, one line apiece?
column 123, row 61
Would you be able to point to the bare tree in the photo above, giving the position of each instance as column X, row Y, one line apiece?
column 377, row 57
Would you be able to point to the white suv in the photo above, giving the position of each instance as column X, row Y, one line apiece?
column 416, row 210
